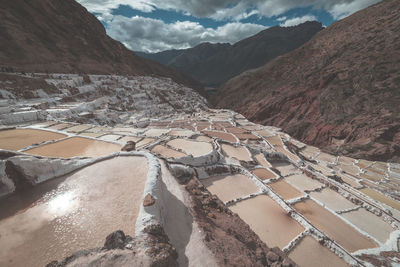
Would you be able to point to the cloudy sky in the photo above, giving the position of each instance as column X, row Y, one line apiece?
column 157, row 25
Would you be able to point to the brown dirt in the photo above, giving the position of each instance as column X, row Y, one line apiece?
column 229, row 238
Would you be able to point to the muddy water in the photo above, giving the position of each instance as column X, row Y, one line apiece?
column 268, row 220
column 309, row 253
column 71, row 213
column 75, row 146
column 285, row 190
column 194, row 148
column 240, row 153
column 334, row 227
column 19, row 138
column 230, row 187
column 332, row 200
column 370, row 223
column 263, row 174
column 167, row 152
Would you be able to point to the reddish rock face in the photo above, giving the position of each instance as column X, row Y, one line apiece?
column 61, row 36
column 340, row 91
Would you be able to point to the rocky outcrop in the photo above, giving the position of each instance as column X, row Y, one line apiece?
column 339, row 91
column 214, row 64
column 61, row 36
column 123, row 250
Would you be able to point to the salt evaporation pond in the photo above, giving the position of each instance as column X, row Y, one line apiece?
column 334, row 227
column 194, row 148
column 17, row 139
column 64, row 215
column 240, row 153
column 230, row 187
column 268, row 220
column 310, row 253
column 75, row 146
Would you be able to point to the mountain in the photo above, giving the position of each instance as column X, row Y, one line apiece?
column 214, row 64
column 62, row 36
column 339, row 91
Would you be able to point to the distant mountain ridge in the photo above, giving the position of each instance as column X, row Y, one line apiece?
column 340, row 91
column 214, row 64
column 62, row 36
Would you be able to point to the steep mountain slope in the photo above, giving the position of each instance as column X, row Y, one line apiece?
column 62, row 36
column 214, row 64
column 340, row 91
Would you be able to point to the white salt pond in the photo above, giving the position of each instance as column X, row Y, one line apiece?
column 167, row 152
column 240, row 153
column 17, row 139
column 268, row 220
column 75, row 146
column 333, row 226
column 332, row 200
column 369, row 223
column 303, row 182
column 230, row 187
column 191, row 147
column 309, row 253
column 64, row 215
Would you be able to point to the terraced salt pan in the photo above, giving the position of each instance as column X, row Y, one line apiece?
column 268, row 220
column 221, row 135
column 364, row 163
column 17, row 139
column 369, row 223
column 285, row 168
column 88, row 134
column 230, row 187
column 203, row 138
column 246, row 136
column 381, row 198
column 240, row 153
column 64, row 215
column 183, row 133
column 350, row 169
column 285, row 190
column 274, row 140
column 78, row 128
column 144, row 142
column 345, row 160
column 310, row 253
column 60, row 126
column 263, row 174
column 290, row 155
column 332, row 200
column 236, row 130
column 333, row 226
column 302, row 182
column 75, row 146
column 125, row 139
column 156, row 132
column 264, row 133
column 191, row 147
column 167, row 152
column 262, row 161
column 110, row 137
column 372, row 176
column 326, row 157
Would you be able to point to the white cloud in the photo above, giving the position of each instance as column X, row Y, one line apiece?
column 281, row 18
column 342, row 10
column 153, row 35
column 231, row 9
column 298, row 20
